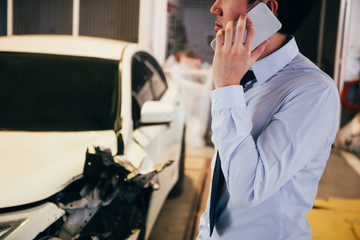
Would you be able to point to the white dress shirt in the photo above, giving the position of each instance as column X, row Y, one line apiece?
column 274, row 139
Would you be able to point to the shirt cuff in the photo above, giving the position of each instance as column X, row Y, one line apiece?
column 227, row 97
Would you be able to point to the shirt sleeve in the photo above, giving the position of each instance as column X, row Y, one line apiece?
column 302, row 129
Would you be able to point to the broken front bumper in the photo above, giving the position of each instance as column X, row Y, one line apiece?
column 28, row 223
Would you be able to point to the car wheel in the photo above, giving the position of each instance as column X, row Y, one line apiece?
column 178, row 187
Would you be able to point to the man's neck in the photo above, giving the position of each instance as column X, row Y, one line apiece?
column 276, row 41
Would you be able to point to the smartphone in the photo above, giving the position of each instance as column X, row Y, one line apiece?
column 265, row 25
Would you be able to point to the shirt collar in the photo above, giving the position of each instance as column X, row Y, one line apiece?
column 270, row 65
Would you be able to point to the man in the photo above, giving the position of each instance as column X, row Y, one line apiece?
column 273, row 136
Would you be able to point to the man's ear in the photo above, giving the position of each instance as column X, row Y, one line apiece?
column 273, row 6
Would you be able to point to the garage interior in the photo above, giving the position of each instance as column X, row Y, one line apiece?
column 178, row 33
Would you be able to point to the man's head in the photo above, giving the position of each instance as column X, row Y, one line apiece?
column 290, row 13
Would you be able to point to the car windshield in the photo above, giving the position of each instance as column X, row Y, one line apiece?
column 40, row 92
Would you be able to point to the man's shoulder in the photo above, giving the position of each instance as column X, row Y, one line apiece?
column 303, row 79
column 304, row 73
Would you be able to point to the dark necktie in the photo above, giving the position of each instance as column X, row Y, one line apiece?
column 218, row 176
column 249, row 75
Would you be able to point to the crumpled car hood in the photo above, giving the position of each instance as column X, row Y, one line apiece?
column 36, row 165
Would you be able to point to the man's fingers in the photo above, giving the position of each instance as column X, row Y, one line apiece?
column 259, row 50
column 250, row 35
column 228, row 34
column 219, row 39
column 240, row 29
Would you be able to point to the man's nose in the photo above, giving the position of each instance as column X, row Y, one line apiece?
column 215, row 9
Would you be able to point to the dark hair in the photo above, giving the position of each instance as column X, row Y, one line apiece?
column 291, row 13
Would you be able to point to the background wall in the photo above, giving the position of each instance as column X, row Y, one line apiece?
column 3, row 15
column 110, row 19
column 190, row 27
column 199, row 24
column 101, row 18
column 42, row 16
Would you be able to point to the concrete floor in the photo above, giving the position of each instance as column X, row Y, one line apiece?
column 179, row 217
column 339, row 179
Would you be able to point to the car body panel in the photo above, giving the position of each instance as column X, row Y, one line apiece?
column 168, row 139
column 64, row 45
column 40, row 164
column 34, row 219
column 152, row 138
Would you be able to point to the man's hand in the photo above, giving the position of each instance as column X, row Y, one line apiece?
column 233, row 60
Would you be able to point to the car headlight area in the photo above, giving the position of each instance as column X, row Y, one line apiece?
column 27, row 223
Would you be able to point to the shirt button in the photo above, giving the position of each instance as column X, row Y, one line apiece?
column 214, row 100
column 208, row 224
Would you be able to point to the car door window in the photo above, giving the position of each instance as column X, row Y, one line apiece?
column 148, row 82
column 158, row 80
column 141, row 89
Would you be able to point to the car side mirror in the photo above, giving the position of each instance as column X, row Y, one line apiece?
column 156, row 113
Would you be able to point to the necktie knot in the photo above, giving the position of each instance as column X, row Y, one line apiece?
column 249, row 75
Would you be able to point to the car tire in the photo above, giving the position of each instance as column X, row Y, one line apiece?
column 178, row 187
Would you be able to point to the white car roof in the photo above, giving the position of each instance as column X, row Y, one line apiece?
column 64, row 45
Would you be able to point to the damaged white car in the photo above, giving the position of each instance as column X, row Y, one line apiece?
column 91, row 139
